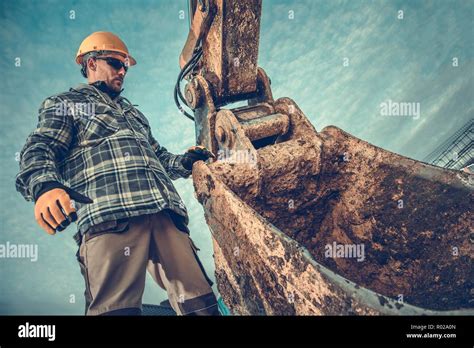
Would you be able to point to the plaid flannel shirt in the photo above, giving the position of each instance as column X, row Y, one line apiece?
column 104, row 149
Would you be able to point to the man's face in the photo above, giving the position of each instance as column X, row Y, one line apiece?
column 111, row 76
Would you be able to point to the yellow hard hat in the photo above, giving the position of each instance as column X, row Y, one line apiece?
column 103, row 41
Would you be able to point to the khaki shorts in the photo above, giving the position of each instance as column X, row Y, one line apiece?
column 115, row 255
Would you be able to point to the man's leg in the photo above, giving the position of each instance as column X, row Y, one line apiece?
column 114, row 267
column 175, row 266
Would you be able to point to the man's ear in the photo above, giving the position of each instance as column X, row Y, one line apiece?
column 91, row 64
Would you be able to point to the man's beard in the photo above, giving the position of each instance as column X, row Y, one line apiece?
column 114, row 87
column 111, row 90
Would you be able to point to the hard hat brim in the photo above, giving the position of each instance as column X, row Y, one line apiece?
column 131, row 60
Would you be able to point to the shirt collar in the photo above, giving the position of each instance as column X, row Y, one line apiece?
column 102, row 87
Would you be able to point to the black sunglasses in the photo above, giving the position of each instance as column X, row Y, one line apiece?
column 115, row 63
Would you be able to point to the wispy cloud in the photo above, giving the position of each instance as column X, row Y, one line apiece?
column 407, row 60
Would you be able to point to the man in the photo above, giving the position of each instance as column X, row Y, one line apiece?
column 93, row 158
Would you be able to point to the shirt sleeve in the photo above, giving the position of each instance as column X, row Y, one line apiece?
column 45, row 187
column 44, row 147
column 171, row 162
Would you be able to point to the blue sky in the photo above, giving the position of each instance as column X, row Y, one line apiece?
column 303, row 48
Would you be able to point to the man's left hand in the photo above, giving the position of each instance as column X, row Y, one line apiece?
column 195, row 153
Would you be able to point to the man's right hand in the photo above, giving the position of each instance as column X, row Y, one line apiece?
column 54, row 209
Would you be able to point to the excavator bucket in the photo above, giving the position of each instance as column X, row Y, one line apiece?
column 325, row 223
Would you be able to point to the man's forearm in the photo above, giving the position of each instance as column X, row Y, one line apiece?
column 48, row 142
column 36, row 167
column 173, row 164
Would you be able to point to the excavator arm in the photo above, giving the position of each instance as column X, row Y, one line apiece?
column 307, row 222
